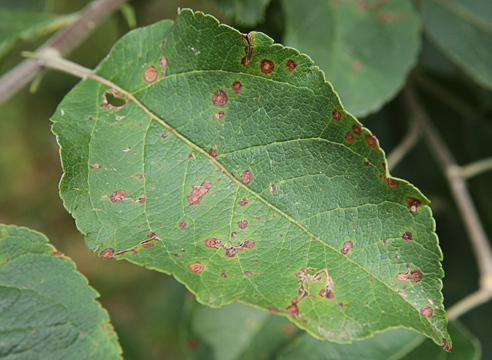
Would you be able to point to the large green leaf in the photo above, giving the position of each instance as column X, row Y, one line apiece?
column 18, row 24
column 365, row 48
column 47, row 310
column 249, row 144
column 463, row 31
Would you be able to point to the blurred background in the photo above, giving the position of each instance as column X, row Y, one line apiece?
column 147, row 307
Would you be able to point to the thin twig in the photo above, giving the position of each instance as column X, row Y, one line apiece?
column 401, row 150
column 473, row 300
column 64, row 41
column 475, row 168
column 474, row 228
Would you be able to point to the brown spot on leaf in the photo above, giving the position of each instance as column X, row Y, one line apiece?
column 219, row 115
column 337, row 116
column 390, row 182
column 237, row 86
column 220, row 98
column 248, row 272
column 150, row 74
column 447, row 347
column 106, row 253
column 347, row 246
column 385, row 241
column 356, row 64
column 243, row 202
column 291, row 65
column 293, row 310
column 117, row 196
column 327, row 293
column 223, row 274
column 416, row 276
column 248, row 243
column 289, row 328
column 95, row 166
column 213, row 242
column 147, row 245
column 199, row 192
column 273, row 310
column 349, row 137
column 213, row 152
column 141, row 199
column 366, row 163
column 340, row 305
column 407, row 236
column 196, row 267
column 164, row 134
column 242, row 224
column 272, row 188
column 182, row 224
column 247, row 176
column 57, row 253
column 233, row 234
column 371, row 140
column 357, row 130
column 426, row 311
column 230, row 253
column 413, row 204
column 267, row 66
column 163, row 61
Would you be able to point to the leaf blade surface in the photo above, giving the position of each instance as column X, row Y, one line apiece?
column 47, row 308
column 236, row 138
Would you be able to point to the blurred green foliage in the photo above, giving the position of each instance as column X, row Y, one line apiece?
column 146, row 307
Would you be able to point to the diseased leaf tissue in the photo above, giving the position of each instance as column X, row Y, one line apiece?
column 233, row 165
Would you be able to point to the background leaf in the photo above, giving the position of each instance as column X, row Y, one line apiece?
column 463, row 31
column 365, row 48
column 245, row 12
column 47, row 308
column 310, row 189
column 237, row 332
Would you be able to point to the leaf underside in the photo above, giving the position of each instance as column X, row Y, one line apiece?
column 47, row 310
column 233, row 166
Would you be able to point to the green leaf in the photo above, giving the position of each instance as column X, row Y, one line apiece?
column 463, row 31
column 23, row 25
column 47, row 309
column 394, row 344
column 251, row 145
column 365, row 48
column 245, row 12
column 237, row 332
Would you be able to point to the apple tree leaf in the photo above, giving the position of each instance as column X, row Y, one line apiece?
column 47, row 308
column 365, row 48
column 229, row 162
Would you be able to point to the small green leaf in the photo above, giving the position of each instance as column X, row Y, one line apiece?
column 231, row 164
column 47, row 309
column 463, row 31
column 365, row 48
column 16, row 24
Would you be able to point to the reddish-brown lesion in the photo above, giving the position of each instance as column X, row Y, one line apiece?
column 304, row 276
column 198, row 192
